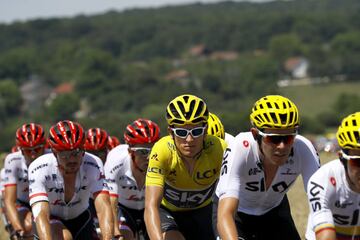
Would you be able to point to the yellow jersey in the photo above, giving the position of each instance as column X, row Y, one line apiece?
column 182, row 190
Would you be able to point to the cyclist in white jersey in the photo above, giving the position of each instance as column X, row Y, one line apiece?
column 125, row 171
column 216, row 128
column 259, row 168
column 334, row 190
column 61, row 184
column 30, row 139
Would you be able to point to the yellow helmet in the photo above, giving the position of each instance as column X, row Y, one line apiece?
column 186, row 109
column 348, row 134
column 215, row 127
column 274, row 111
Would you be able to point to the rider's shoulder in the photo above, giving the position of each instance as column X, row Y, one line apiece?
column 42, row 163
column 117, row 153
column 302, row 143
column 13, row 158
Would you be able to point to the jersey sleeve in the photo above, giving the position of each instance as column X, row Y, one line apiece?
column 320, row 191
column 229, row 182
column 12, row 163
column 158, row 162
column 37, row 182
column 310, row 161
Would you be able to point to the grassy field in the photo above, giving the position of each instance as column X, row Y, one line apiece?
column 297, row 198
column 325, row 95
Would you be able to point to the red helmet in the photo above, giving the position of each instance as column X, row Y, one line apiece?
column 15, row 148
column 112, row 142
column 66, row 135
column 30, row 135
column 96, row 139
column 141, row 131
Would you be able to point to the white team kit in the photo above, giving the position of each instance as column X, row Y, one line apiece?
column 16, row 174
column 47, row 184
column 120, row 179
column 242, row 176
column 333, row 203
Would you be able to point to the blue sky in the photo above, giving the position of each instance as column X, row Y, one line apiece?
column 22, row 10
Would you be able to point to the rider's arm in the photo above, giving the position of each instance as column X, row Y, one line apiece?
column 153, row 196
column 11, row 211
column 41, row 213
column 115, row 210
column 326, row 234
column 105, row 216
column 226, row 211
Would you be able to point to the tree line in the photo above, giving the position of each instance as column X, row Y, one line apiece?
column 119, row 61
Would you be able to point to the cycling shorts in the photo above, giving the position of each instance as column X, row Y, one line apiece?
column 193, row 224
column 81, row 227
column 132, row 219
column 275, row 224
column 22, row 206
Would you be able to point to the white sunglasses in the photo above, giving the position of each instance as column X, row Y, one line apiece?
column 183, row 132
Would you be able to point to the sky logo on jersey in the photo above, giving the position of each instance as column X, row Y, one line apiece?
column 353, row 219
column 225, row 161
column 315, row 191
column 187, row 199
column 259, row 186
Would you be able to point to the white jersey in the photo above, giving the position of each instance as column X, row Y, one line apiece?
column 120, row 179
column 16, row 174
column 229, row 138
column 242, row 176
column 47, row 184
column 2, row 177
column 333, row 203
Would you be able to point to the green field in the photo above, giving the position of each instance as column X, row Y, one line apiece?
column 325, row 95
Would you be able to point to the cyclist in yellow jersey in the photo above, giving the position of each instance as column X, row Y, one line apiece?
column 182, row 174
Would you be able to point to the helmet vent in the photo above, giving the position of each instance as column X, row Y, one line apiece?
column 357, row 136
column 273, row 118
column 191, row 109
column 186, row 98
column 283, row 118
column 291, row 116
column 354, row 122
column 199, row 109
column 182, row 109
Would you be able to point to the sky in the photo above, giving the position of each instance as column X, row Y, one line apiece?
column 23, row 10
